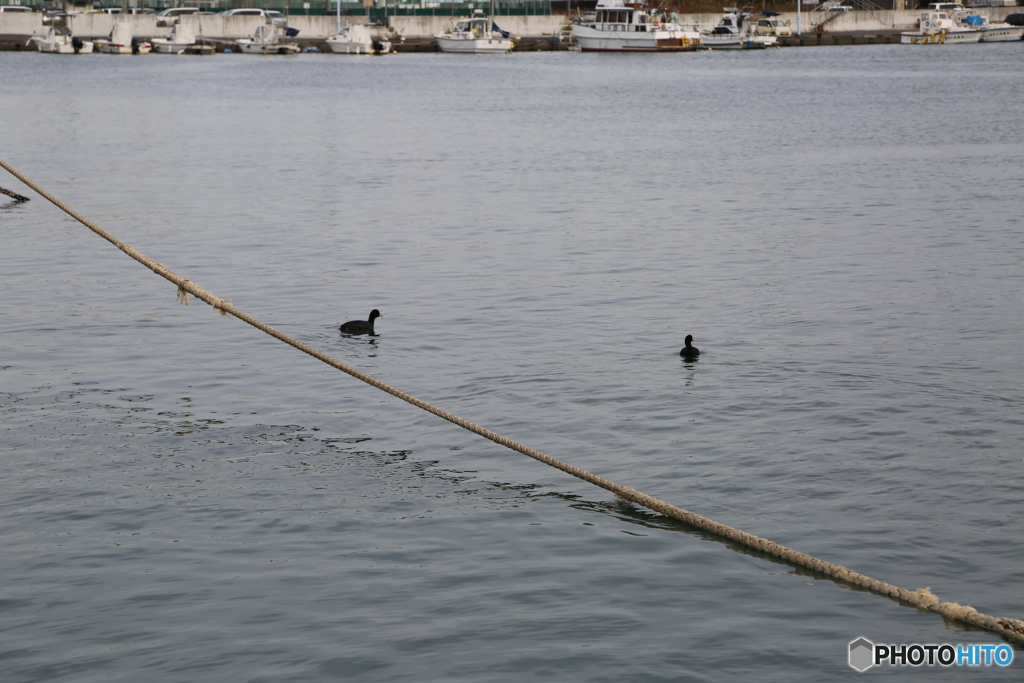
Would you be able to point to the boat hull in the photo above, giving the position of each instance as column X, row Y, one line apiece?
column 108, row 48
column 751, row 43
column 474, row 45
column 940, row 37
column 1002, row 34
column 348, row 47
column 61, row 47
column 166, row 47
column 251, row 48
column 595, row 40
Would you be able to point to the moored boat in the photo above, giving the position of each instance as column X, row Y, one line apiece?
column 356, row 40
column 265, row 42
column 121, row 41
column 732, row 34
column 60, row 40
column 620, row 26
column 478, row 34
column 993, row 32
column 939, row 28
column 181, row 41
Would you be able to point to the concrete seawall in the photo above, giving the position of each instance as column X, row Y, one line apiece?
column 536, row 30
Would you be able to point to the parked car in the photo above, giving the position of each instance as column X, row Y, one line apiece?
column 773, row 27
column 14, row 8
column 170, row 16
column 270, row 16
column 175, row 12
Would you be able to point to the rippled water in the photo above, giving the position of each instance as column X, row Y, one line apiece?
column 187, row 499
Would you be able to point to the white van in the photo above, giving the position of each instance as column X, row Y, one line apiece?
column 270, row 16
column 773, row 27
column 14, row 8
column 175, row 12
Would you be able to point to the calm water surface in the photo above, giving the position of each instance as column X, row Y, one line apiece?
column 186, row 499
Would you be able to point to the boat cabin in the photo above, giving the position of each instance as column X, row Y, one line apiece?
column 616, row 15
column 478, row 26
column 935, row 21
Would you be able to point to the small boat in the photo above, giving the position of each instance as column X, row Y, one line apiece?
column 264, row 42
column 60, row 40
column 995, row 32
column 121, row 42
column 621, row 26
column 182, row 41
column 938, row 28
column 731, row 34
column 478, row 34
column 356, row 40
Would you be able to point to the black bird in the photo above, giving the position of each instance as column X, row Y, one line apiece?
column 689, row 351
column 361, row 326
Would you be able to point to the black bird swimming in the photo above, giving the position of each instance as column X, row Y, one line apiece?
column 361, row 326
column 689, row 351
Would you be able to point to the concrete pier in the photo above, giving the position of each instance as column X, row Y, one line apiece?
column 415, row 33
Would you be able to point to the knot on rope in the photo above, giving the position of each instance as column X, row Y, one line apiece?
column 221, row 305
column 183, row 293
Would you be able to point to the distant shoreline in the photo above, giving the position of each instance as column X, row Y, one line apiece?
column 415, row 33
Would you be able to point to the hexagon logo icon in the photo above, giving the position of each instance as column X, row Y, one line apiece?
column 862, row 654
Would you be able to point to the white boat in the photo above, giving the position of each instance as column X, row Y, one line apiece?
column 731, row 34
column 478, row 34
column 939, row 28
column 995, row 32
column 264, row 42
column 60, row 40
column 121, row 42
column 181, row 41
column 356, row 40
column 620, row 26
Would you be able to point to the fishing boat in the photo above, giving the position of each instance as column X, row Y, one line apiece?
column 182, row 41
column 735, row 31
column 121, row 42
column 939, row 28
column 356, row 40
column 993, row 32
column 477, row 34
column 620, row 26
column 265, row 42
column 59, row 39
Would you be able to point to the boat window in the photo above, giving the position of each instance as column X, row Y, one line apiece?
column 609, row 17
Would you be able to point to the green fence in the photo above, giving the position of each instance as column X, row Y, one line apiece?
column 387, row 8
column 374, row 9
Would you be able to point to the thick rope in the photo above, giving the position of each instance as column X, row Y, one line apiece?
column 922, row 598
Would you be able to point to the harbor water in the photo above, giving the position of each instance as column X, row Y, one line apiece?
column 187, row 499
